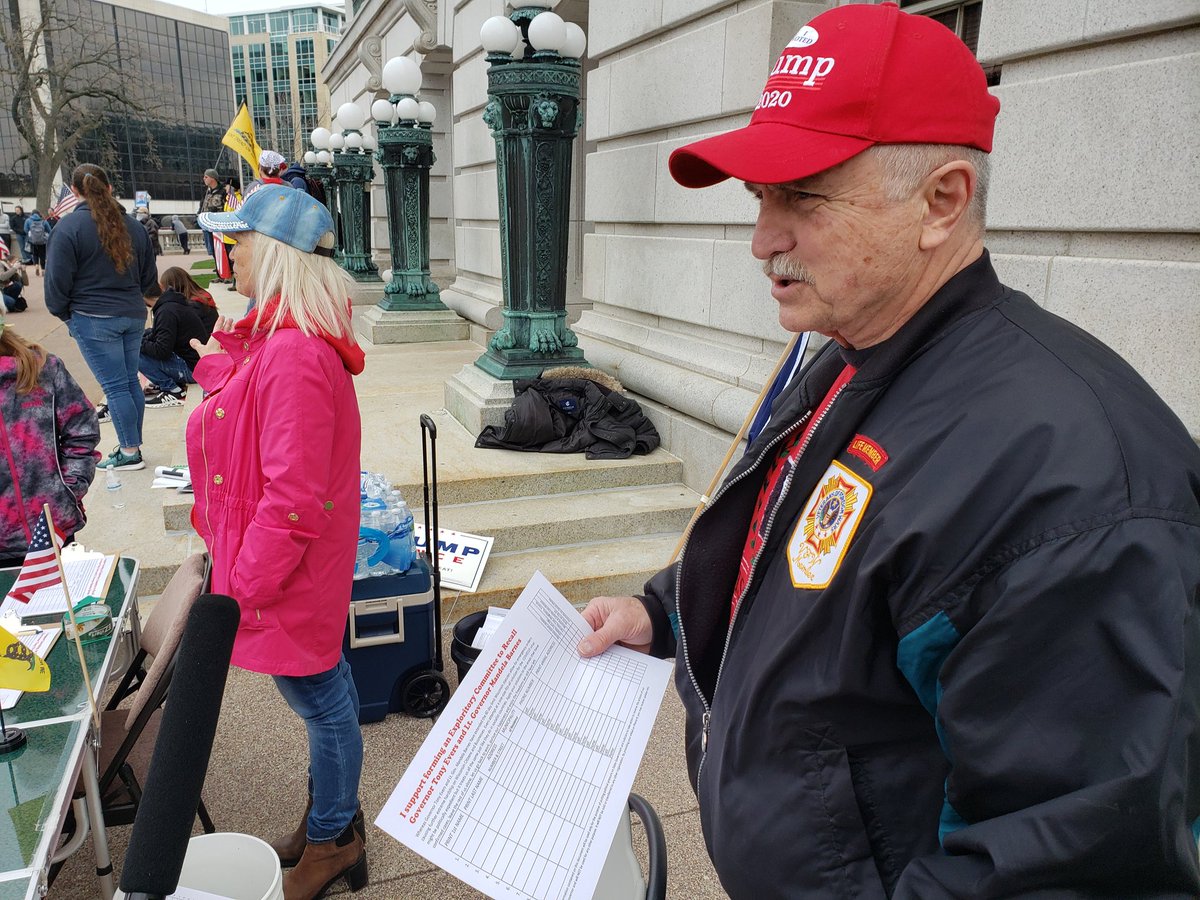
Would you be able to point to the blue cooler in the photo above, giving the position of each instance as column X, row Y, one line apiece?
column 389, row 644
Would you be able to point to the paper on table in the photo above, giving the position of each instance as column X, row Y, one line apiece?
column 88, row 574
column 185, row 893
column 519, row 787
column 40, row 642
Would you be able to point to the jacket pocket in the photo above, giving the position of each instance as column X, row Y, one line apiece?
column 786, row 821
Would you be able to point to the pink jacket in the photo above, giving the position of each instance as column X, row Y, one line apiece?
column 274, row 457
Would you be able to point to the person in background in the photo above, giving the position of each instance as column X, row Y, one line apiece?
column 37, row 235
column 48, row 438
column 937, row 634
column 177, row 279
column 151, row 226
column 6, row 228
column 167, row 357
column 270, row 170
column 274, row 454
column 99, row 268
column 296, row 176
column 12, row 282
column 181, row 234
column 213, row 201
column 16, row 222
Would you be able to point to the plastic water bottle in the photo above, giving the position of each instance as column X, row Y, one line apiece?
column 402, row 547
column 112, row 484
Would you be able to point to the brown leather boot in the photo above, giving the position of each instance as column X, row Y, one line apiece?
column 290, row 847
column 323, row 864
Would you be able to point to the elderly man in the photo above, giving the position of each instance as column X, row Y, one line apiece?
column 937, row 631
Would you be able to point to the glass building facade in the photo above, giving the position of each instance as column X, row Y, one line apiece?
column 186, row 65
column 277, row 57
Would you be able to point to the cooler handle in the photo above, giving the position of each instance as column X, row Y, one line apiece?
column 373, row 607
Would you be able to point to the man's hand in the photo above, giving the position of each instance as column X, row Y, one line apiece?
column 616, row 620
column 224, row 323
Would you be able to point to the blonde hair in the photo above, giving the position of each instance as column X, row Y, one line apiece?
column 312, row 290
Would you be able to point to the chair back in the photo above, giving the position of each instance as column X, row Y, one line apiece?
column 164, row 626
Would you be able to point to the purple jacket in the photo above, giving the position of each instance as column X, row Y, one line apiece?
column 48, row 452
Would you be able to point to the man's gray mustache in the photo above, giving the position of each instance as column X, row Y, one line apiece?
column 783, row 266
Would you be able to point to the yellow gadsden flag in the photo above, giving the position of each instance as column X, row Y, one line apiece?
column 240, row 138
column 20, row 668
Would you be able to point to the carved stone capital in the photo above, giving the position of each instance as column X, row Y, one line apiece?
column 370, row 54
column 424, row 13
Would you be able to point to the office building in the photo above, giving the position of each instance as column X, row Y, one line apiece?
column 277, row 57
column 178, row 57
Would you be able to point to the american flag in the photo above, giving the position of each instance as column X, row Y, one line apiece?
column 40, row 569
column 67, row 201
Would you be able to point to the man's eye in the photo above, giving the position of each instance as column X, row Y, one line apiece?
column 798, row 196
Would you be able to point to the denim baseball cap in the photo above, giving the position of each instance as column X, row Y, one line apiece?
column 279, row 211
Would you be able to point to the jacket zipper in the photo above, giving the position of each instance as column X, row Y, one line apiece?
column 687, row 661
column 707, row 717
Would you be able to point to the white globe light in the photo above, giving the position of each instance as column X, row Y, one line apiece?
column 336, row 142
column 499, row 35
column 408, row 109
column 354, row 141
column 320, row 138
column 309, row 158
column 350, row 116
column 540, row 4
column 547, row 31
column 425, row 112
column 575, row 43
column 519, row 50
column 382, row 111
column 324, row 157
column 369, row 143
column 401, row 75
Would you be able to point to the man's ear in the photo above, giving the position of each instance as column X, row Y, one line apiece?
column 947, row 192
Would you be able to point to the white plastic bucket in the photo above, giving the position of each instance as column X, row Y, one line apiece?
column 237, row 866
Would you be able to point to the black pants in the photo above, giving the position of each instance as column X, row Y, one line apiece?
column 183, row 241
column 38, row 252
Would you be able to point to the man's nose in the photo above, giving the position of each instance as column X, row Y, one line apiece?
column 772, row 230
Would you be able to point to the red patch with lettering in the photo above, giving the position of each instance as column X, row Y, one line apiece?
column 868, row 451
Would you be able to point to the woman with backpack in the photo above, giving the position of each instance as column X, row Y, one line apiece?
column 37, row 233
column 98, row 273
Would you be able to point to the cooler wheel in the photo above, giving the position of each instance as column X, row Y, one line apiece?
column 425, row 694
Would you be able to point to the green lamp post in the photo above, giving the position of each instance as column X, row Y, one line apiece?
column 405, row 130
column 533, row 111
column 353, row 172
column 318, row 163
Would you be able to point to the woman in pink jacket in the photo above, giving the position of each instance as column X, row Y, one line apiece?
column 274, row 457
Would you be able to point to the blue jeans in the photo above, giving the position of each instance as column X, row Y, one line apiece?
column 171, row 374
column 208, row 243
column 328, row 704
column 111, row 346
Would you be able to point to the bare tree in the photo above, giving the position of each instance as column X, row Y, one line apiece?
column 66, row 82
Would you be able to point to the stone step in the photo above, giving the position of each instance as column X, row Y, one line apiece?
column 571, row 474
column 557, row 519
column 582, row 571
column 543, row 474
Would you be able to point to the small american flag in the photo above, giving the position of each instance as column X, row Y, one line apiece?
column 67, row 201
column 40, row 569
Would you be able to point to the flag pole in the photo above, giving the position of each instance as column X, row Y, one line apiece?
column 87, row 680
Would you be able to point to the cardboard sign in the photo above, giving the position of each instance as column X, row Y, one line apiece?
column 461, row 557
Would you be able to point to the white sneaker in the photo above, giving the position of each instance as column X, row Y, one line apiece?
column 164, row 399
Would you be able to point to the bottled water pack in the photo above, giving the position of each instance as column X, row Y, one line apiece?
column 385, row 529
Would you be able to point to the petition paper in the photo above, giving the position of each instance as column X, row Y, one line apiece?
column 519, row 787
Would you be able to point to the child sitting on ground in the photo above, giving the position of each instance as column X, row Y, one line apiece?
column 166, row 357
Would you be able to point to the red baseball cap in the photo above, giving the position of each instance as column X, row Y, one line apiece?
column 853, row 77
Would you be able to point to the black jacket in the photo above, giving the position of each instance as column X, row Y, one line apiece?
column 176, row 321
column 80, row 277
column 570, row 415
column 967, row 663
